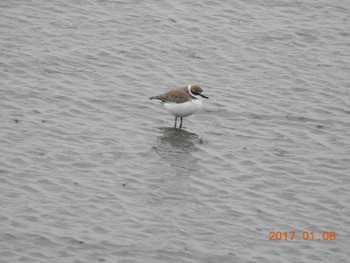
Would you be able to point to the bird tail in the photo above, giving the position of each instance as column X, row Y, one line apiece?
column 154, row 98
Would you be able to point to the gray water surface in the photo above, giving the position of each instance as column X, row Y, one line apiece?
column 92, row 171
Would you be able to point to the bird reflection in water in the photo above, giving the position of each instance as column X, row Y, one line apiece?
column 176, row 146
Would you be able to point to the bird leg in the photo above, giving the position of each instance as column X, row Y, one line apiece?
column 181, row 123
column 175, row 121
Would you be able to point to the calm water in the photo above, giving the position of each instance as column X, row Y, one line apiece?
column 92, row 171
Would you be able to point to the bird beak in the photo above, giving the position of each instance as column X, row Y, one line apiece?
column 203, row 96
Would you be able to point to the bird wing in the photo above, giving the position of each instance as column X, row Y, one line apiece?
column 179, row 95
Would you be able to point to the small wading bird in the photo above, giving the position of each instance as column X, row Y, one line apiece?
column 182, row 102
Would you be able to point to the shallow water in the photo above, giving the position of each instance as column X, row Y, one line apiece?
column 92, row 171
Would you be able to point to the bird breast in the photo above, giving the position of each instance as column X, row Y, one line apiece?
column 183, row 109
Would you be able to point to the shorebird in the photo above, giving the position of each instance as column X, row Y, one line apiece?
column 182, row 102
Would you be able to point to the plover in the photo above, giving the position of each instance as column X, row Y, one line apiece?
column 182, row 102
